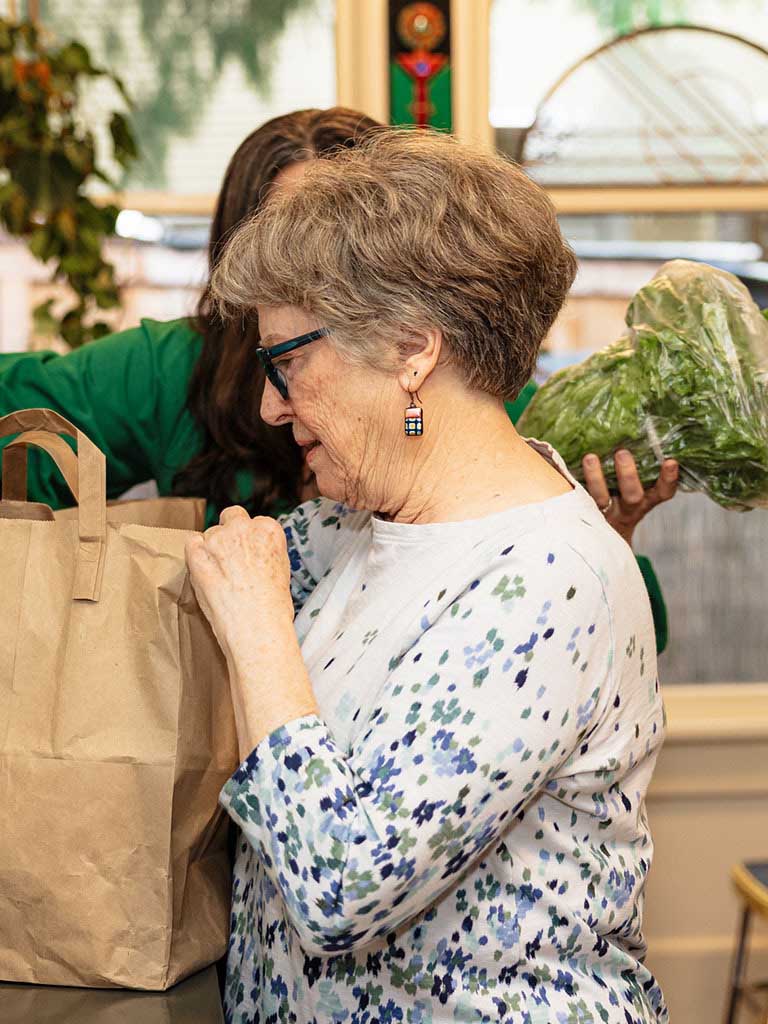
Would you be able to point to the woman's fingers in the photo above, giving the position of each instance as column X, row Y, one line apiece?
column 198, row 557
column 630, row 486
column 233, row 514
column 631, row 489
column 595, row 481
column 223, row 540
column 194, row 546
column 666, row 486
column 633, row 501
column 245, row 548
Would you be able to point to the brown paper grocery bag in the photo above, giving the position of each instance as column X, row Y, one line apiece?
column 116, row 735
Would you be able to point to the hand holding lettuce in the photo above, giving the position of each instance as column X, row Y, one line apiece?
column 689, row 381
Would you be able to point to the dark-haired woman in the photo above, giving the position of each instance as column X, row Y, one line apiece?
column 178, row 402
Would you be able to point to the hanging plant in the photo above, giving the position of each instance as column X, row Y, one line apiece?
column 47, row 158
column 187, row 44
column 624, row 16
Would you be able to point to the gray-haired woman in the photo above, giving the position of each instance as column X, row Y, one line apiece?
column 446, row 699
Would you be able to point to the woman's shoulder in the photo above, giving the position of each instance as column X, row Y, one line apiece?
column 178, row 338
column 154, row 350
column 590, row 555
column 570, row 596
column 597, row 546
column 557, row 548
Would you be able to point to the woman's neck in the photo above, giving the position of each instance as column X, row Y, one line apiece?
column 469, row 463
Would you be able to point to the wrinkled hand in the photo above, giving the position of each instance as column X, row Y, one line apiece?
column 625, row 510
column 241, row 576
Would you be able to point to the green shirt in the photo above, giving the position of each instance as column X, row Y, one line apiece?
column 128, row 393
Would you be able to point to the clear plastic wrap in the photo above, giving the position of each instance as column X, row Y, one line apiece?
column 689, row 381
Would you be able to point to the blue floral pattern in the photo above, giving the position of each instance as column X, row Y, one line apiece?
column 462, row 835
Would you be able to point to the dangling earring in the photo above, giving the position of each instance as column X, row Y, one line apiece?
column 414, row 417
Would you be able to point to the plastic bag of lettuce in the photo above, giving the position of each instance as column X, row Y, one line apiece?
column 689, row 380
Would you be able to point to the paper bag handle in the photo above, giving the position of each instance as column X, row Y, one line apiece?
column 15, row 463
column 90, row 472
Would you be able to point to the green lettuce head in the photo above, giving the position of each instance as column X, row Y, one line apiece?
column 689, row 381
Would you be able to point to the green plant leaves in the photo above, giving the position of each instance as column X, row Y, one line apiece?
column 189, row 43
column 622, row 16
column 49, row 158
column 123, row 143
column 75, row 59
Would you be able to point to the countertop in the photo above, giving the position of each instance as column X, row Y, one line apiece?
column 193, row 1001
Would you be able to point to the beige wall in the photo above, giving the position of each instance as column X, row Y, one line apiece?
column 708, row 808
column 163, row 283
column 156, row 282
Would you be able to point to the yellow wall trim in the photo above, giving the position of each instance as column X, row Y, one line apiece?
column 716, row 711
column 470, row 55
column 702, row 945
column 672, row 199
column 372, row 101
column 362, row 56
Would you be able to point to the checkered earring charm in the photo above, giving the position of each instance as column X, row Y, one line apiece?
column 414, row 418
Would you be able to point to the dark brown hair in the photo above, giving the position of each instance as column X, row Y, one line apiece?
column 227, row 382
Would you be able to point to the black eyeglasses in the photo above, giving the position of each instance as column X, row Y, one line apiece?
column 275, row 375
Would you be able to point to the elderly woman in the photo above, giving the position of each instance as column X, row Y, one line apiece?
column 443, row 672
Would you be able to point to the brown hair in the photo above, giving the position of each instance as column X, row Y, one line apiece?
column 226, row 384
column 411, row 231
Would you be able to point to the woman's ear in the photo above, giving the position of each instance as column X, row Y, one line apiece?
column 422, row 353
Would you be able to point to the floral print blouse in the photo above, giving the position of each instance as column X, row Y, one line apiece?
column 461, row 835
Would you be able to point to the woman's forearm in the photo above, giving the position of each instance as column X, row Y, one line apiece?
column 269, row 681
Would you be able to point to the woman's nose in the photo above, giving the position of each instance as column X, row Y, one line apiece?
column 275, row 409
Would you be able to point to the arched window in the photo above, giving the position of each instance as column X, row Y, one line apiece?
column 678, row 105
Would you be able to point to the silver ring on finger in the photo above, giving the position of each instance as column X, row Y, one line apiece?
column 606, row 508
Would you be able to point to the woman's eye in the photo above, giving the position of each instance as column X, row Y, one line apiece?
column 285, row 364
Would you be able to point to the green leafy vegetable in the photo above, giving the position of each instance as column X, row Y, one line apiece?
column 688, row 381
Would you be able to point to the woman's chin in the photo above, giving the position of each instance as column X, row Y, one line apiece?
column 327, row 481
column 330, row 487
column 330, row 490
